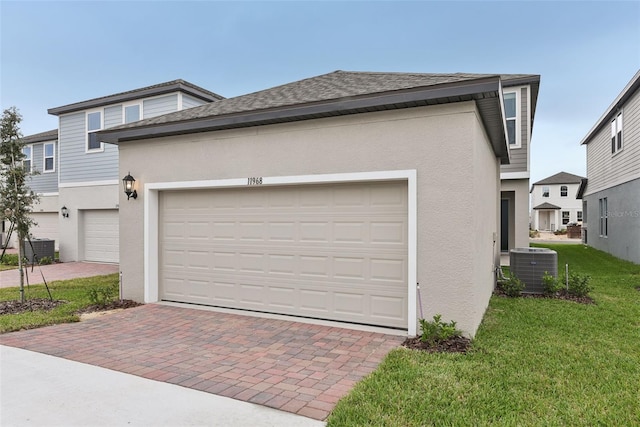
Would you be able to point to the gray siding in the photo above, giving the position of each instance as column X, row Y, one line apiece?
column 603, row 168
column 76, row 164
column 190, row 102
column 519, row 155
column 43, row 182
column 161, row 105
column 623, row 206
column 112, row 116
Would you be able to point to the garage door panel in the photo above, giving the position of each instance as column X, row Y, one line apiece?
column 319, row 251
column 101, row 235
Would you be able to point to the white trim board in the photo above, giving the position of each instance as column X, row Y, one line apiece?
column 151, row 220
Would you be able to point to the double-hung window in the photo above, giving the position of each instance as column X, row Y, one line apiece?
column 565, row 217
column 27, row 150
column 132, row 113
column 616, row 134
column 563, row 191
column 511, row 117
column 49, row 157
column 604, row 217
column 579, row 216
column 94, row 124
column 545, row 191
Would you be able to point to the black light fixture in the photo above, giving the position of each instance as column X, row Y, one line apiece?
column 128, row 182
column 65, row 212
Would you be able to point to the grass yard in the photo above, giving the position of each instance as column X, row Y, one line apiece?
column 534, row 362
column 74, row 291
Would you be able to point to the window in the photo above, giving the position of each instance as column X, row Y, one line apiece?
column 131, row 113
column 579, row 216
column 511, row 116
column 565, row 217
column 27, row 150
column 604, row 217
column 94, row 123
column 545, row 191
column 49, row 157
column 616, row 134
column 563, row 191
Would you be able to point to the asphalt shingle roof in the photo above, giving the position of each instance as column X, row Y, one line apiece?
column 42, row 136
column 560, row 178
column 547, row 205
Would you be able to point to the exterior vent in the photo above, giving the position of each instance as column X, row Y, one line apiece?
column 529, row 265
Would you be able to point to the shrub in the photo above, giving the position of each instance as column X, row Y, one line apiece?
column 101, row 295
column 45, row 260
column 579, row 284
column 534, row 233
column 512, row 287
column 551, row 284
column 10, row 259
column 436, row 330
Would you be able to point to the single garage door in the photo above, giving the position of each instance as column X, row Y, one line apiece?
column 336, row 252
column 47, row 227
column 100, row 235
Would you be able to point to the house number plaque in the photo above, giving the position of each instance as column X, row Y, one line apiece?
column 254, row 180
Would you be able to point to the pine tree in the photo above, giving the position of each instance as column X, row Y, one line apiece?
column 16, row 199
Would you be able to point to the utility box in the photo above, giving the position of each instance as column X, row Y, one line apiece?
column 530, row 264
column 41, row 248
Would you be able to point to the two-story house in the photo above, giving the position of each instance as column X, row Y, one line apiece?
column 554, row 203
column 611, row 194
column 88, row 178
column 520, row 93
column 41, row 160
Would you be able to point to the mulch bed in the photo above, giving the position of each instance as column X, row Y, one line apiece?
column 452, row 345
column 43, row 304
column 563, row 295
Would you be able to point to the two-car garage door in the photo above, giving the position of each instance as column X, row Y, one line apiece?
column 335, row 252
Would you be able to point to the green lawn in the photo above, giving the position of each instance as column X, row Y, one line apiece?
column 534, row 362
column 73, row 291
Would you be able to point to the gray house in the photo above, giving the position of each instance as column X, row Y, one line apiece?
column 611, row 193
column 328, row 198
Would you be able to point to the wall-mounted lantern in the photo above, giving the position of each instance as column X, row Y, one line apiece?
column 128, row 183
column 65, row 212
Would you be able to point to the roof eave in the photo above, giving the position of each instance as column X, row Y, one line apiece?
column 615, row 106
column 133, row 95
column 486, row 92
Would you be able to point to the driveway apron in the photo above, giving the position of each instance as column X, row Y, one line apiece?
column 295, row 367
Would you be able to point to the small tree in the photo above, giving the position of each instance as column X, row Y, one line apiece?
column 16, row 199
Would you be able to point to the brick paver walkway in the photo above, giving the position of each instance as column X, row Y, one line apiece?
column 295, row 367
column 57, row 271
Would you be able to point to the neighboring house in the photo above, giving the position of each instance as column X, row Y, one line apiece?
column 88, row 177
column 611, row 194
column 326, row 198
column 41, row 159
column 554, row 203
column 520, row 97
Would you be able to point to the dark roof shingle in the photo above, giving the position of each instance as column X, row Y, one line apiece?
column 49, row 135
column 560, row 178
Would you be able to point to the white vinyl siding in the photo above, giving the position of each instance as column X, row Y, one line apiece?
column 605, row 170
column 190, row 102
column 161, row 105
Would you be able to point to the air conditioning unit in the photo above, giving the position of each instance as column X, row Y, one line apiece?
column 530, row 264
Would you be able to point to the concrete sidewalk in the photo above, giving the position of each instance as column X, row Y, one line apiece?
column 57, row 271
column 41, row 390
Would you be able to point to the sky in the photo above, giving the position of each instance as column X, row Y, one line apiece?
column 53, row 53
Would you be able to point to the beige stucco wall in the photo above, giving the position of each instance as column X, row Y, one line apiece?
column 77, row 199
column 457, row 174
column 519, row 228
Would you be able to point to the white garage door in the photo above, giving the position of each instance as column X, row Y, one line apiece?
column 100, row 232
column 47, row 227
column 335, row 252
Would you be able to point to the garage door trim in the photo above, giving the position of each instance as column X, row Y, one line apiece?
column 151, row 219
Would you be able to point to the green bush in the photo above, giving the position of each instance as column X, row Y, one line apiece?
column 579, row 284
column 101, row 295
column 512, row 287
column 436, row 330
column 10, row 259
column 45, row 260
column 551, row 284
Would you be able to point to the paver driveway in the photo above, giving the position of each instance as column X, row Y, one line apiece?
column 291, row 366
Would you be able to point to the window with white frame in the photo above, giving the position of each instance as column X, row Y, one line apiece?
column 545, row 191
column 49, row 157
column 604, row 217
column 579, row 216
column 563, row 191
column 511, row 117
column 27, row 150
column 94, row 123
column 132, row 113
column 616, row 134
column 565, row 217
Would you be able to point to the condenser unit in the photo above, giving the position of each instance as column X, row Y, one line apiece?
column 530, row 264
